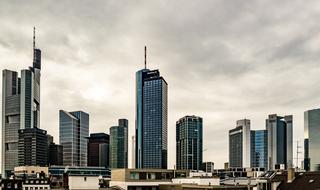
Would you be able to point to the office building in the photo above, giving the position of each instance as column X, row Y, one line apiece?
column 20, row 108
column 312, row 139
column 119, row 145
column 74, row 133
column 151, row 119
column 279, row 129
column 259, row 149
column 208, row 167
column 55, row 155
column 32, row 147
column 239, row 145
column 98, row 150
column 189, row 145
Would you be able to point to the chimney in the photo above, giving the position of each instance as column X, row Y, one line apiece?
column 290, row 175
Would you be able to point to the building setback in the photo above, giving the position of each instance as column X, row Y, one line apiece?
column 98, row 150
column 279, row 141
column 32, row 147
column 312, row 140
column 20, row 108
column 259, row 149
column 151, row 119
column 239, row 145
column 189, row 143
column 74, row 133
column 119, row 145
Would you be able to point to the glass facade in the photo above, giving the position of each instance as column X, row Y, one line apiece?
column 279, row 141
column 73, row 133
column 189, row 139
column 20, row 109
column 259, row 151
column 119, row 145
column 151, row 119
column 312, row 140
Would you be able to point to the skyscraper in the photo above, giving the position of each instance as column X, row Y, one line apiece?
column 73, row 133
column 312, row 140
column 279, row 141
column 151, row 119
column 189, row 147
column 20, row 108
column 119, row 145
column 33, row 147
column 239, row 145
column 259, row 149
column 98, row 150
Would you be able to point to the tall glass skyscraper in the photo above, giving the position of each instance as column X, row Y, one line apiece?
column 312, row 139
column 119, row 145
column 20, row 108
column 74, row 133
column 279, row 141
column 239, row 145
column 151, row 119
column 259, row 149
column 189, row 135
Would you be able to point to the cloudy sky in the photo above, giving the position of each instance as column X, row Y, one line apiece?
column 223, row 60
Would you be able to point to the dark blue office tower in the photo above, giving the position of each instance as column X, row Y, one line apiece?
column 151, row 119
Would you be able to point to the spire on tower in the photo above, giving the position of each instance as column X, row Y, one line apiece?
column 34, row 38
column 145, row 57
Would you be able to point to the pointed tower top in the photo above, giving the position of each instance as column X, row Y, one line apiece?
column 34, row 38
column 145, row 57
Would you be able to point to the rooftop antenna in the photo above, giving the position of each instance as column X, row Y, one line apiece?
column 34, row 38
column 145, row 57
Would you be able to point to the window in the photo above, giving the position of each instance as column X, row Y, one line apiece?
column 85, row 178
column 26, row 188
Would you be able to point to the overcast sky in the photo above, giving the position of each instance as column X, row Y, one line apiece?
column 223, row 60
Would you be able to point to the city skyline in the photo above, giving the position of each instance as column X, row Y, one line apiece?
column 200, row 70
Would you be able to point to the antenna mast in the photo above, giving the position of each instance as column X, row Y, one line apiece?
column 145, row 57
column 34, row 38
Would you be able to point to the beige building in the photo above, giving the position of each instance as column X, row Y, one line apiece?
column 30, row 170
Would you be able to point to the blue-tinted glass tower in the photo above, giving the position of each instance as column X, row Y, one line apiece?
column 74, row 133
column 259, row 149
column 151, row 119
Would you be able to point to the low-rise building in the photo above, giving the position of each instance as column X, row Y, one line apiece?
column 131, row 179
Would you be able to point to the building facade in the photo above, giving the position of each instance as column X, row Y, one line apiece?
column 239, row 145
column 151, row 119
column 119, row 145
column 55, row 155
column 280, row 153
column 98, row 144
column 312, row 140
column 74, row 133
column 189, row 143
column 20, row 108
column 259, row 149
column 32, row 147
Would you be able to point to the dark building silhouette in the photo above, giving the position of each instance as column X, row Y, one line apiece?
column 189, row 137
column 55, row 155
column 32, row 147
column 98, row 150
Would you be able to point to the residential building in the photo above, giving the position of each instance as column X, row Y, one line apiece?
column 189, row 143
column 259, row 149
column 119, row 145
column 280, row 155
column 20, row 108
column 151, row 119
column 32, row 147
column 239, row 145
column 98, row 150
column 312, row 140
column 74, row 133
